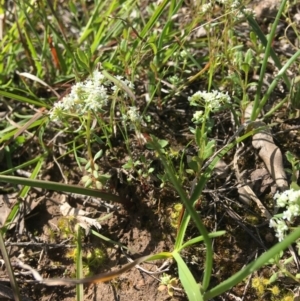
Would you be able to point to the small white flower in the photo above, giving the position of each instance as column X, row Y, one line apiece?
column 174, row 79
column 57, row 113
column 287, row 197
column 235, row 4
column 213, row 100
column 281, row 229
column 281, row 199
column 294, row 196
column 292, row 211
column 133, row 114
column 195, row 98
column 272, row 223
column 291, row 200
column 198, row 117
column 288, row 215
column 183, row 54
column 98, row 77
column 280, row 235
column 206, row 7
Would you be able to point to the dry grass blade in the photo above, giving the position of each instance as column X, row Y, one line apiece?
column 13, row 282
column 104, row 277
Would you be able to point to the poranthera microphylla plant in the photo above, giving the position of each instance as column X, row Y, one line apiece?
column 85, row 102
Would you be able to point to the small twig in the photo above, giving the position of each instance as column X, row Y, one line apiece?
column 34, row 272
column 95, row 201
column 236, row 134
column 9, row 269
column 37, row 244
column 158, row 271
column 61, row 172
column 297, row 127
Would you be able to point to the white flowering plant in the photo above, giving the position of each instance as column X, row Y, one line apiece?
column 90, row 95
column 209, row 102
column 289, row 200
column 87, row 101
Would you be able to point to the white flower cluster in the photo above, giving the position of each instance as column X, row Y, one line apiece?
column 213, row 100
column 206, row 7
column 133, row 115
column 232, row 3
column 236, row 5
column 198, row 117
column 89, row 95
column 290, row 199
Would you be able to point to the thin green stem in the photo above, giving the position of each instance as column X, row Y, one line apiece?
column 88, row 139
column 257, row 102
column 79, row 271
column 258, row 107
column 192, row 212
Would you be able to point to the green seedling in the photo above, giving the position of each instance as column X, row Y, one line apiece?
column 168, row 283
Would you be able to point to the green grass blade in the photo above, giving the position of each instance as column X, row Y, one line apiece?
column 191, row 211
column 104, row 26
column 154, row 18
column 34, row 174
column 256, row 110
column 196, row 194
column 11, row 131
column 108, row 239
column 188, row 281
column 257, row 101
column 79, row 270
column 11, row 217
column 23, row 193
column 62, row 187
column 252, row 267
column 256, row 28
column 24, row 99
column 88, row 29
column 200, row 238
column 119, row 84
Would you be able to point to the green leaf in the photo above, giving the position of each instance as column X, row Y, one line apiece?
column 98, row 155
column 273, row 278
column 288, row 260
column 188, row 281
column 295, row 186
column 209, row 149
column 162, row 143
column 62, row 187
column 154, row 18
column 200, row 238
